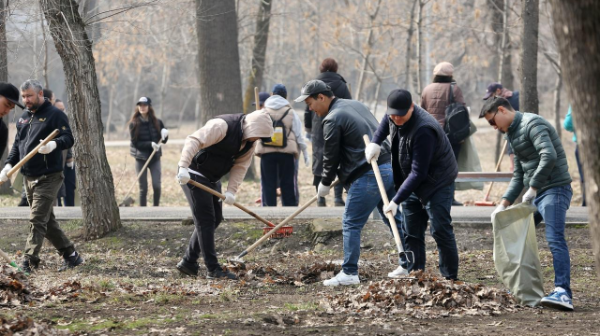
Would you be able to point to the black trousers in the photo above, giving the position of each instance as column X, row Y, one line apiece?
column 207, row 211
column 155, row 170
column 278, row 170
column 70, row 185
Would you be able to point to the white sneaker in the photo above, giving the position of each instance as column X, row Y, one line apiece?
column 342, row 279
column 399, row 272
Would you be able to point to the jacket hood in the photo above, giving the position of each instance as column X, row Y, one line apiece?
column 257, row 124
column 276, row 102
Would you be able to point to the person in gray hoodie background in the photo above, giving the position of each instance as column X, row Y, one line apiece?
column 278, row 164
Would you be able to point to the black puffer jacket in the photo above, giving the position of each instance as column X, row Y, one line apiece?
column 141, row 146
column 314, row 122
column 344, row 149
column 33, row 127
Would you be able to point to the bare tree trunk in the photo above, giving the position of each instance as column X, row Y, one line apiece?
column 259, row 51
column 377, row 88
column 578, row 35
column 409, row 35
column 419, row 48
column 164, row 85
column 111, row 104
column 218, row 58
column 45, row 69
column 94, row 178
column 5, row 188
column 557, row 88
column 363, row 68
column 529, row 100
column 369, row 46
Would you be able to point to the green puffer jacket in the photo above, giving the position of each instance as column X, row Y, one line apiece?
column 540, row 160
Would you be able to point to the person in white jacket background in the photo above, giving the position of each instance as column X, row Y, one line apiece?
column 279, row 157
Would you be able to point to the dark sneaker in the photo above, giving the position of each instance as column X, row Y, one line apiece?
column 321, row 202
column 220, row 274
column 187, row 267
column 456, row 203
column 29, row 265
column 71, row 262
column 558, row 299
column 339, row 202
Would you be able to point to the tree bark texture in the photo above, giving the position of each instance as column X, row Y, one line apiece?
column 420, row 48
column 409, row 35
column 218, row 58
column 529, row 100
column 94, row 178
column 577, row 30
column 5, row 188
column 259, row 51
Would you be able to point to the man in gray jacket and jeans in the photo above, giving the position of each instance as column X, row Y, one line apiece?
column 541, row 167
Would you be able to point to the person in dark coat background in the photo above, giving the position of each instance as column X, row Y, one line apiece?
column 147, row 132
column 314, row 128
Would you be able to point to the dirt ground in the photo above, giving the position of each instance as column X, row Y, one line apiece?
column 129, row 286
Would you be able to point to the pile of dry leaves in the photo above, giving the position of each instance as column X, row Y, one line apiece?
column 25, row 326
column 422, row 296
column 14, row 287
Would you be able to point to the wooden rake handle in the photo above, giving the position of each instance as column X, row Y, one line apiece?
column 385, row 200
column 221, row 196
column 141, row 172
column 280, row 225
column 31, row 154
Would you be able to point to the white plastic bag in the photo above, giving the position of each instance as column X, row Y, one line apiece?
column 516, row 253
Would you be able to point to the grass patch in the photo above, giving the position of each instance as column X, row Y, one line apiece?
column 301, row 306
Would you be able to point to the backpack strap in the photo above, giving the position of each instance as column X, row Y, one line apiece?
column 284, row 115
column 451, row 93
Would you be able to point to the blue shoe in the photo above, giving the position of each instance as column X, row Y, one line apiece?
column 558, row 299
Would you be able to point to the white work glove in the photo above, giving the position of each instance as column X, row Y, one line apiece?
column 499, row 208
column 183, row 176
column 393, row 207
column 323, row 190
column 4, row 173
column 229, row 198
column 71, row 164
column 372, row 152
column 155, row 146
column 47, row 148
column 529, row 195
column 164, row 133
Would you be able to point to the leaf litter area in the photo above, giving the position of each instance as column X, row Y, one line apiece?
column 128, row 286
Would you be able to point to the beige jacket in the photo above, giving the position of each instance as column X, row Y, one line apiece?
column 256, row 124
column 292, row 146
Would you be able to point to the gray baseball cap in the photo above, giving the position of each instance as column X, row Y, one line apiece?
column 312, row 87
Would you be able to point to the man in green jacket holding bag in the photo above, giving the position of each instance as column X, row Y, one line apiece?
column 541, row 166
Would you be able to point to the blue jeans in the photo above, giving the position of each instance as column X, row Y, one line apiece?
column 363, row 197
column 437, row 210
column 553, row 204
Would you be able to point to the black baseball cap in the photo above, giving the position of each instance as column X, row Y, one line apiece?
column 399, row 102
column 312, row 87
column 144, row 100
column 262, row 97
column 11, row 93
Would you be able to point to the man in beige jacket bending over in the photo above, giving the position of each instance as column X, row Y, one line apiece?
column 223, row 145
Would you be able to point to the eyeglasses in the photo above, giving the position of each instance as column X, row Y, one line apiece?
column 492, row 121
